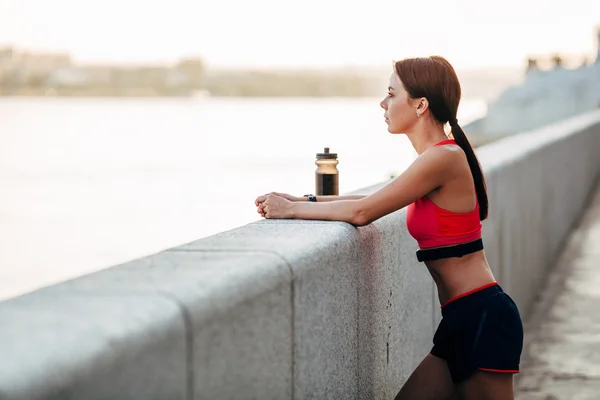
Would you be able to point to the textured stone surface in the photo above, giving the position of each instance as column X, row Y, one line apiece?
column 415, row 281
column 362, row 302
column 396, row 313
column 562, row 359
column 239, row 311
column 325, row 258
column 65, row 346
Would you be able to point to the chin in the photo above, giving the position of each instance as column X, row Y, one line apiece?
column 390, row 128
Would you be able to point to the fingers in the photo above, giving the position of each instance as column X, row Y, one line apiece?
column 261, row 199
column 261, row 203
column 261, row 208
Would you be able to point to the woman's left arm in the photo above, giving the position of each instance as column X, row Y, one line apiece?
column 429, row 171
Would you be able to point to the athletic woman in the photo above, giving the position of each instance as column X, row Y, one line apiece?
column 477, row 345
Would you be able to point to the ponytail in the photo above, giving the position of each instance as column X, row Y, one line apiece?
column 480, row 188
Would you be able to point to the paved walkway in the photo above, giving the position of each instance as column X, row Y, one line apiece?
column 562, row 349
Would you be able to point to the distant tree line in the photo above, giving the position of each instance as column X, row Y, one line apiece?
column 24, row 74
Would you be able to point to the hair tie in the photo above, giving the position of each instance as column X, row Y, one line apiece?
column 453, row 122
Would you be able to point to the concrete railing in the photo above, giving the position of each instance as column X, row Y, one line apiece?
column 288, row 309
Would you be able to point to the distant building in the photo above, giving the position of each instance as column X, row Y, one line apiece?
column 29, row 69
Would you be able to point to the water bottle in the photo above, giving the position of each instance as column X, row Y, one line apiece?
column 327, row 174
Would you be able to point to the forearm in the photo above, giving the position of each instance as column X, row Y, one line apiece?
column 323, row 199
column 342, row 210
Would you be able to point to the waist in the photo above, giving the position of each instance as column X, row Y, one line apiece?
column 454, row 276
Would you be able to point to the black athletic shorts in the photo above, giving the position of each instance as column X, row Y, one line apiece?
column 479, row 330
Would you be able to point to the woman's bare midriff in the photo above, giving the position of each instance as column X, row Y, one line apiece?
column 454, row 276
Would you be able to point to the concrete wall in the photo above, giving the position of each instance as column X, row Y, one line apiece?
column 288, row 309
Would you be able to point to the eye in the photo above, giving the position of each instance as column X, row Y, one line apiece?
column 390, row 95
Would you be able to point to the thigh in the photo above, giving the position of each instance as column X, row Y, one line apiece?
column 484, row 385
column 429, row 381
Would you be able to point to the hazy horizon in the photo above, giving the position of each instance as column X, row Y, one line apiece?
column 269, row 34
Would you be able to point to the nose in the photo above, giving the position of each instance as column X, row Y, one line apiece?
column 383, row 104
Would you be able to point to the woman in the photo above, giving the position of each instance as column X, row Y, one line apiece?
column 478, row 343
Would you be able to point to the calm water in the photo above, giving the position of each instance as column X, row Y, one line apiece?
column 90, row 183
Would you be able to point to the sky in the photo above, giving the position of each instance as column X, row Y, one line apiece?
column 308, row 33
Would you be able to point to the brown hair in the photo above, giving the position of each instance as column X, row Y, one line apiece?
column 435, row 79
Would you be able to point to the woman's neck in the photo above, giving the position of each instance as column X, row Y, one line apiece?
column 425, row 136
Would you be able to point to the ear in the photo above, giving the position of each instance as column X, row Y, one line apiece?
column 422, row 105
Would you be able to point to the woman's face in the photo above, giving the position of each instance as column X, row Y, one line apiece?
column 399, row 114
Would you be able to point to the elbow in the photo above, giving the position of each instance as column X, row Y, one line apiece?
column 360, row 218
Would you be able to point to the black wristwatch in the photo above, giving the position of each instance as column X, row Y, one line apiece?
column 311, row 197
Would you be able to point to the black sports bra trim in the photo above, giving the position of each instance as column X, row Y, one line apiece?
column 458, row 250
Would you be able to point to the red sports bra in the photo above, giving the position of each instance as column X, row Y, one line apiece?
column 433, row 226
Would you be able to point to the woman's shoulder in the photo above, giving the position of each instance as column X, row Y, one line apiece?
column 448, row 152
column 450, row 157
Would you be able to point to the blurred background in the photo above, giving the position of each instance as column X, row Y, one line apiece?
column 128, row 127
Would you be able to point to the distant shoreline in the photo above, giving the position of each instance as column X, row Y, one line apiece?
column 316, row 84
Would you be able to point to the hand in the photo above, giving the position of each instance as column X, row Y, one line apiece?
column 274, row 207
